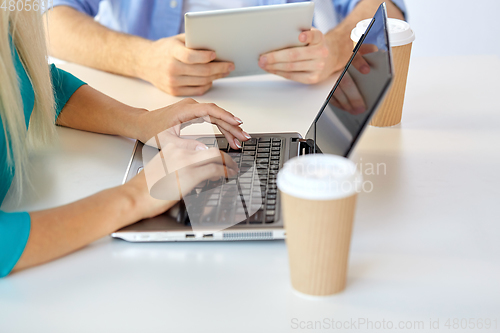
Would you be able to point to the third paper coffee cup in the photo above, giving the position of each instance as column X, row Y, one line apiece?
column 401, row 38
column 318, row 200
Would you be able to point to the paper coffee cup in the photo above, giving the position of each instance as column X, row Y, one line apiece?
column 318, row 200
column 401, row 38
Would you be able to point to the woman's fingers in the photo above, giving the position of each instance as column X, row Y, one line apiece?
column 161, row 140
column 233, row 142
column 188, row 111
column 197, row 110
column 176, row 158
column 210, row 171
column 167, row 182
column 233, row 131
column 190, row 144
column 227, row 123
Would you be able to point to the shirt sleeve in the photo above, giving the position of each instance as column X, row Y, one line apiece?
column 89, row 7
column 65, row 86
column 345, row 7
column 14, row 233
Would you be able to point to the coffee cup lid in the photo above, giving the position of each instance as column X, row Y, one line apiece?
column 400, row 32
column 319, row 177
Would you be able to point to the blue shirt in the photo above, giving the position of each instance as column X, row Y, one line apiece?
column 155, row 19
column 15, row 227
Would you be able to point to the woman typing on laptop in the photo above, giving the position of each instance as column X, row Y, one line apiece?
column 33, row 96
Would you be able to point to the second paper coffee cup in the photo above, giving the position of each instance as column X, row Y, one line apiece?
column 318, row 198
column 401, row 38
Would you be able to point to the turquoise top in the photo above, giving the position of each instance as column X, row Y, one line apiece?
column 15, row 227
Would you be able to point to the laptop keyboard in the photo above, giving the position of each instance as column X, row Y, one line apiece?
column 259, row 162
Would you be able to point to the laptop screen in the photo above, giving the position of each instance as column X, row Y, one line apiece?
column 357, row 93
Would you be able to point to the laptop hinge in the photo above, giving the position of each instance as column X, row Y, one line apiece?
column 305, row 146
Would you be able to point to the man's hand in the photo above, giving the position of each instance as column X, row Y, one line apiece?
column 172, row 67
column 308, row 64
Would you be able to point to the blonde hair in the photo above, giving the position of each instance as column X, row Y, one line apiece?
column 26, row 29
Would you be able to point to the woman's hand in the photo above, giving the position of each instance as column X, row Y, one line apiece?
column 61, row 230
column 176, row 116
column 172, row 174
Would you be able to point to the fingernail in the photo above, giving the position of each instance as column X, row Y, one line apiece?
column 246, row 135
column 364, row 69
column 231, row 68
column 263, row 61
column 226, row 74
column 237, row 143
column 213, row 56
column 302, row 37
column 201, row 147
column 238, row 120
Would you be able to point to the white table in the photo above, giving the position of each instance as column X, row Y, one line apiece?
column 426, row 242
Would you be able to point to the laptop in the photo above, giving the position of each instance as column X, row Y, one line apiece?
column 241, row 35
column 252, row 202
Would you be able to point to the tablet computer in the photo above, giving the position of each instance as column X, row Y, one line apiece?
column 241, row 35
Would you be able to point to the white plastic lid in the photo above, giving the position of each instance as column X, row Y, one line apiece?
column 319, row 177
column 400, row 32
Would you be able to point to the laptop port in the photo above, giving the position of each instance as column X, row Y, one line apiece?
column 189, row 236
column 208, row 236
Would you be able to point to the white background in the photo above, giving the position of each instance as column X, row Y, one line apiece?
column 455, row 27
